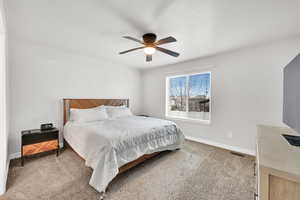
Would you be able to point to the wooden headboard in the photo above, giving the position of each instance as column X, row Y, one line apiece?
column 90, row 103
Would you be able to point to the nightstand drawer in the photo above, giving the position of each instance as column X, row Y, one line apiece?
column 40, row 147
column 37, row 138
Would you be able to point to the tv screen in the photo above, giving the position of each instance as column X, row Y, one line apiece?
column 291, row 94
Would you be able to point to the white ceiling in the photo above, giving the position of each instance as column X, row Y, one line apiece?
column 202, row 27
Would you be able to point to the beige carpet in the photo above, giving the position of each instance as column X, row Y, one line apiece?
column 197, row 171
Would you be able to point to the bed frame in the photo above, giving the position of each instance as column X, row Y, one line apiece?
column 90, row 103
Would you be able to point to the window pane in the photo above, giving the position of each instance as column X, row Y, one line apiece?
column 178, row 94
column 199, row 96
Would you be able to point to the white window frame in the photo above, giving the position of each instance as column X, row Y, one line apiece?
column 187, row 102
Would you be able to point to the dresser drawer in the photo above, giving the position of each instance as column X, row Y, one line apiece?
column 283, row 189
column 40, row 147
column 37, row 138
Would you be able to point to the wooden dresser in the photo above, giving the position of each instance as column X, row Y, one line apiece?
column 278, row 165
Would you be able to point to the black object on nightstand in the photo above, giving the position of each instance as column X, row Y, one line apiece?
column 37, row 141
column 143, row 115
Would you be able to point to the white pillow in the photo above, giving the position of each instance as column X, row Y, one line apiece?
column 104, row 106
column 88, row 115
column 118, row 111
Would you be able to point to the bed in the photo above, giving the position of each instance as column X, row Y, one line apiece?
column 113, row 145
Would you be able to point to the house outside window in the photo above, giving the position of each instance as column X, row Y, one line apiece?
column 189, row 96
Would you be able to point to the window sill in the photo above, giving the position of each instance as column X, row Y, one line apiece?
column 198, row 121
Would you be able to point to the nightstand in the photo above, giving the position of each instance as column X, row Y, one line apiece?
column 37, row 141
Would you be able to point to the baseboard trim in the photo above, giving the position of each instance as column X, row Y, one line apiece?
column 223, row 146
column 14, row 155
column 200, row 140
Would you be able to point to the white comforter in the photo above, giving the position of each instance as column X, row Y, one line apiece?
column 110, row 144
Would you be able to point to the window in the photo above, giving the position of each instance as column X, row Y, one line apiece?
column 188, row 96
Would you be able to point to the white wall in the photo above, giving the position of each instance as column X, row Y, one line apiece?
column 41, row 75
column 246, row 90
column 3, row 103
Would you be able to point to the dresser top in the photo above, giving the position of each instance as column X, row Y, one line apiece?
column 38, row 131
column 275, row 152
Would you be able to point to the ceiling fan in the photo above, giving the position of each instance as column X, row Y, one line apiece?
column 151, row 45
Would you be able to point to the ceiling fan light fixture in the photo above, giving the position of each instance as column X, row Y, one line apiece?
column 149, row 50
column 150, row 45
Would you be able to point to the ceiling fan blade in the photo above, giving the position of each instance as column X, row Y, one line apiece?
column 169, row 52
column 166, row 40
column 134, row 39
column 131, row 50
column 148, row 58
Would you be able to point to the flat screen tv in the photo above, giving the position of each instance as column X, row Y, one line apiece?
column 291, row 94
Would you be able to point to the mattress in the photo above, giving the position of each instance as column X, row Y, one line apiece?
column 109, row 144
